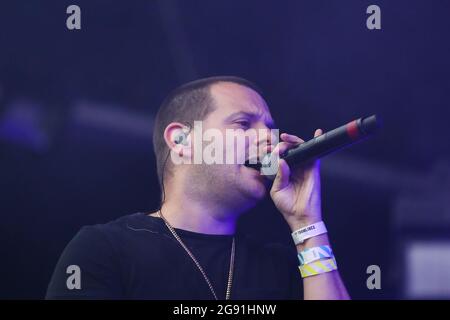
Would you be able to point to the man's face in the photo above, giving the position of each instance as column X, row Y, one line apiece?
column 242, row 109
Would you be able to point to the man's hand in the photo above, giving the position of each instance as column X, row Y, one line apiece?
column 296, row 194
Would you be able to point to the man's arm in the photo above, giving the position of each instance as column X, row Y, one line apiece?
column 297, row 196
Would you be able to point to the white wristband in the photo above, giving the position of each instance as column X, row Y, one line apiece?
column 307, row 232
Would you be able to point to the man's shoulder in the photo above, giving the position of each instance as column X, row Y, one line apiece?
column 118, row 224
column 121, row 229
column 97, row 252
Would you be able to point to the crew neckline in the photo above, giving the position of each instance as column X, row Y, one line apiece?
column 184, row 233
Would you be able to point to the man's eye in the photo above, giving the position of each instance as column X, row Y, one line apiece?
column 243, row 123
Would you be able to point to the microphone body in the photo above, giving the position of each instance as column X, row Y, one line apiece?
column 331, row 141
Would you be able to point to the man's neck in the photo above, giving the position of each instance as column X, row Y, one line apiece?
column 199, row 217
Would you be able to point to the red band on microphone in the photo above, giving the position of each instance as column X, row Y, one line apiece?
column 352, row 130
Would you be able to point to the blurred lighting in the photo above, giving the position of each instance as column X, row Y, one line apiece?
column 427, row 267
column 23, row 123
column 112, row 118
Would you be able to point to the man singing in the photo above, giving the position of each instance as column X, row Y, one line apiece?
column 189, row 248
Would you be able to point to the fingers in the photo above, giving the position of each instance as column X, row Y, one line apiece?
column 282, row 147
column 318, row 132
column 291, row 138
column 282, row 178
column 290, row 141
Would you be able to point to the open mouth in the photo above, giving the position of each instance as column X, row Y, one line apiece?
column 253, row 164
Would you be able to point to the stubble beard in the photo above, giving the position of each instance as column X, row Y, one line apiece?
column 224, row 185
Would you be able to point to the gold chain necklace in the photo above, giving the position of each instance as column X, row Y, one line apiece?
column 230, row 272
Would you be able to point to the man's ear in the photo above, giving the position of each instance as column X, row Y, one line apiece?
column 177, row 137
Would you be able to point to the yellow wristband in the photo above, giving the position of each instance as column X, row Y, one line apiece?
column 318, row 267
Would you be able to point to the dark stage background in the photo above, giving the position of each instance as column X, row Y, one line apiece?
column 76, row 110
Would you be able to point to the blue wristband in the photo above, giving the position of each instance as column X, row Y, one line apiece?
column 314, row 254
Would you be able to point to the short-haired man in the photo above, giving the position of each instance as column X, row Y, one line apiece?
column 189, row 248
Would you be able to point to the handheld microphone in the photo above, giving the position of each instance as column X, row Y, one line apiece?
column 331, row 141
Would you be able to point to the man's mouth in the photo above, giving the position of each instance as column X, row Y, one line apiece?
column 252, row 164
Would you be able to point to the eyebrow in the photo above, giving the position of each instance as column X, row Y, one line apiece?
column 253, row 116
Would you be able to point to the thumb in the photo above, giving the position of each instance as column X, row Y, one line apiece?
column 282, row 178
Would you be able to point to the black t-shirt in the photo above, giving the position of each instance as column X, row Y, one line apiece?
column 136, row 257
